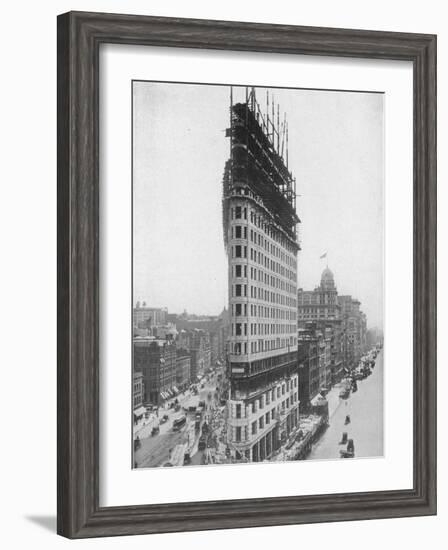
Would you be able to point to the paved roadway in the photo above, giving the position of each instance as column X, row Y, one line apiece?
column 155, row 450
column 365, row 408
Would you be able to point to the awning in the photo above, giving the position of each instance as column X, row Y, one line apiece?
column 163, row 395
column 140, row 411
column 175, row 389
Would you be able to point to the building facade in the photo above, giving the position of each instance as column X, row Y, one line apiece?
column 157, row 361
column 308, row 369
column 137, row 396
column 321, row 307
column 374, row 336
column 337, row 363
column 354, row 324
column 197, row 342
column 147, row 317
column 261, row 242
column 325, row 378
column 320, row 304
column 217, row 328
column 311, row 348
column 183, row 369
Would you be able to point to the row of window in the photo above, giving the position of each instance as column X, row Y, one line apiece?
column 263, row 421
column 273, row 297
column 261, row 276
column 239, row 270
column 240, row 290
column 273, row 249
column 264, row 260
column 137, row 400
column 314, row 316
column 277, row 360
column 241, row 348
column 260, row 221
column 276, row 282
column 238, row 213
column 270, row 396
column 315, row 301
column 240, row 251
column 240, row 232
column 240, row 329
column 239, row 310
column 316, row 309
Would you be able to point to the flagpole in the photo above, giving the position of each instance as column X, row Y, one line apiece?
column 325, row 256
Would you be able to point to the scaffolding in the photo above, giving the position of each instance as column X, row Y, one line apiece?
column 259, row 158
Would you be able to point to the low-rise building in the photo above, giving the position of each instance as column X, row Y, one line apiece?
column 156, row 360
column 217, row 328
column 183, row 369
column 309, row 365
column 315, row 361
column 146, row 317
column 137, row 396
column 197, row 342
column 354, row 324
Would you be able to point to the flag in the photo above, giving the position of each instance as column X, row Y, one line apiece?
column 323, row 256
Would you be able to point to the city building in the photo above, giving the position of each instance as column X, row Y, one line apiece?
column 157, row 361
column 325, row 378
column 197, row 342
column 321, row 306
column 217, row 328
column 137, row 397
column 147, row 317
column 374, row 336
column 311, row 358
column 355, row 330
column 337, row 363
column 166, row 332
column 305, row 351
column 183, row 369
column 259, row 219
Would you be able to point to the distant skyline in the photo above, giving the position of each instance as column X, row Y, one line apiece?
column 335, row 152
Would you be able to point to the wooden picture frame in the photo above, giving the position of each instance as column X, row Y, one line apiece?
column 79, row 38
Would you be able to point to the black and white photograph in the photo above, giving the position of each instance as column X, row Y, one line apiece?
column 224, row 217
column 257, row 274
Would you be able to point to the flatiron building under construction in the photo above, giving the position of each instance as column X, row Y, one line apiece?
column 259, row 215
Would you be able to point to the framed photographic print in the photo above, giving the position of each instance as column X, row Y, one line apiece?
column 246, row 274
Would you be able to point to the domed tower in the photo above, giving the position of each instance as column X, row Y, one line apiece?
column 327, row 280
column 328, row 295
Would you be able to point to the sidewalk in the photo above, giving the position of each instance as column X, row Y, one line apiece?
column 333, row 399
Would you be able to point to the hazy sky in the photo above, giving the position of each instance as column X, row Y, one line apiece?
column 335, row 152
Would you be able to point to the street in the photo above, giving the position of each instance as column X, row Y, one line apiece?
column 155, row 450
column 365, row 408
